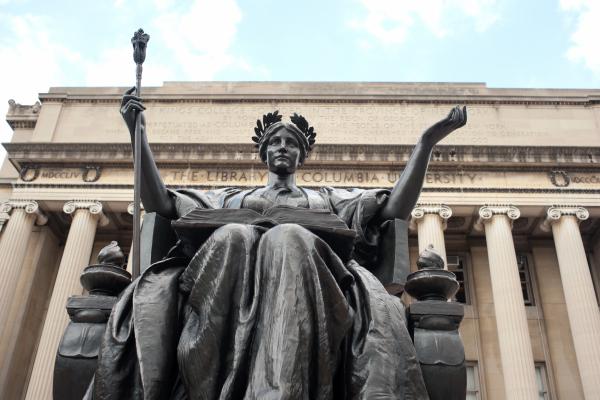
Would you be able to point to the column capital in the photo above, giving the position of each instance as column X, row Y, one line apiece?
column 130, row 208
column 94, row 207
column 420, row 210
column 488, row 211
column 30, row 207
column 554, row 213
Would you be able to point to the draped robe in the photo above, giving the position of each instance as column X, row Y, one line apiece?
column 261, row 313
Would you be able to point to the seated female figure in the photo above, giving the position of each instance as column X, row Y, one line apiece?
column 259, row 313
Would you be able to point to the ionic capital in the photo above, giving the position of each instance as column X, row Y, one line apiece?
column 488, row 211
column 554, row 214
column 420, row 210
column 94, row 207
column 30, row 207
column 130, row 207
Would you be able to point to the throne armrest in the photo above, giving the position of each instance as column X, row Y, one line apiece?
column 156, row 239
column 393, row 264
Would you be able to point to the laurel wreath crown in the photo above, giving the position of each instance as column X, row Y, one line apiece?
column 272, row 118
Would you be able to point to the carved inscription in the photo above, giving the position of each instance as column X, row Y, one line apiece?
column 336, row 122
column 60, row 174
column 316, row 177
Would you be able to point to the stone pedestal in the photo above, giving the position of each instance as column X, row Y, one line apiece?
column 13, row 246
column 429, row 220
column 516, row 354
column 77, row 356
column 433, row 324
column 86, row 216
column 584, row 316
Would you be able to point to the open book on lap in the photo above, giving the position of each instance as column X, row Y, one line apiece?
column 196, row 226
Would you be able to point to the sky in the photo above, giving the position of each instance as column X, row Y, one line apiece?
column 503, row 43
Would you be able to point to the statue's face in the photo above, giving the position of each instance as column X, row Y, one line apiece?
column 283, row 153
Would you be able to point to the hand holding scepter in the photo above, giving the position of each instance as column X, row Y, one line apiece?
column 139, row 42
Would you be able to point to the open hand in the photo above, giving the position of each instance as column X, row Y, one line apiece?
column 457, row 118
column 131, row 105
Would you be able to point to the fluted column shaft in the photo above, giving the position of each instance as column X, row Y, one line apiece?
column 13, row 246
column 130, row 255
column 76, row 256
column 584, row 316
column 430, row 220
column 516, row 354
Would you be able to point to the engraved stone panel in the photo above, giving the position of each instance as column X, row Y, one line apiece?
column 335, row 122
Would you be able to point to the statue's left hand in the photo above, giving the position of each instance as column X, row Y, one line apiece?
column 457, row 118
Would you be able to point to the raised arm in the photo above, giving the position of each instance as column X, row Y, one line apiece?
column 406, row 190
column 153, row 191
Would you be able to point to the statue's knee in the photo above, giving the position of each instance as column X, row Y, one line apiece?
column 287, row 233
column 233, row 232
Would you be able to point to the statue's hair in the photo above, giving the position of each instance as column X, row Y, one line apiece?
column 271, row 123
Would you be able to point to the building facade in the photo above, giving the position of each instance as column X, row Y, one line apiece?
column 512, row 200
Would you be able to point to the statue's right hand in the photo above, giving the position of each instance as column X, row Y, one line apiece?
column 131, row 105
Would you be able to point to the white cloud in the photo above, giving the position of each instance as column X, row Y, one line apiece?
column 189, row 41
column 31, row 61
column 585, row 47
column 200, row 35
column 390, row 21
column 112, row 69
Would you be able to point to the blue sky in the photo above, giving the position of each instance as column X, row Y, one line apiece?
column 504, row 43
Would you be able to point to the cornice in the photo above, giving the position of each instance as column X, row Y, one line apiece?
column 325, row 92
column 456, row 156
column 359, row 99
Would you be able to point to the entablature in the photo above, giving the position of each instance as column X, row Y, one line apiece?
column 447, row 156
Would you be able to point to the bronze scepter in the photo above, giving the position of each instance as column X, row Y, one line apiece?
column 139, row 41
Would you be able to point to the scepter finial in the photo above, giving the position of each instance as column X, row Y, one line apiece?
column 139, row 41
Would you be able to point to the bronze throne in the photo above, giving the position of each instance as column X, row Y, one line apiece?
column 432, row 320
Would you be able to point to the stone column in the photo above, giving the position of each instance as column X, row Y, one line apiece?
column 429, row 220
column 584, row 316
column 516, row 354
column 130, row 255
column 78, row 248
column 13, row 246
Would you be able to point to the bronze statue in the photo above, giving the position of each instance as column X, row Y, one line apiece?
column 267, row 308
